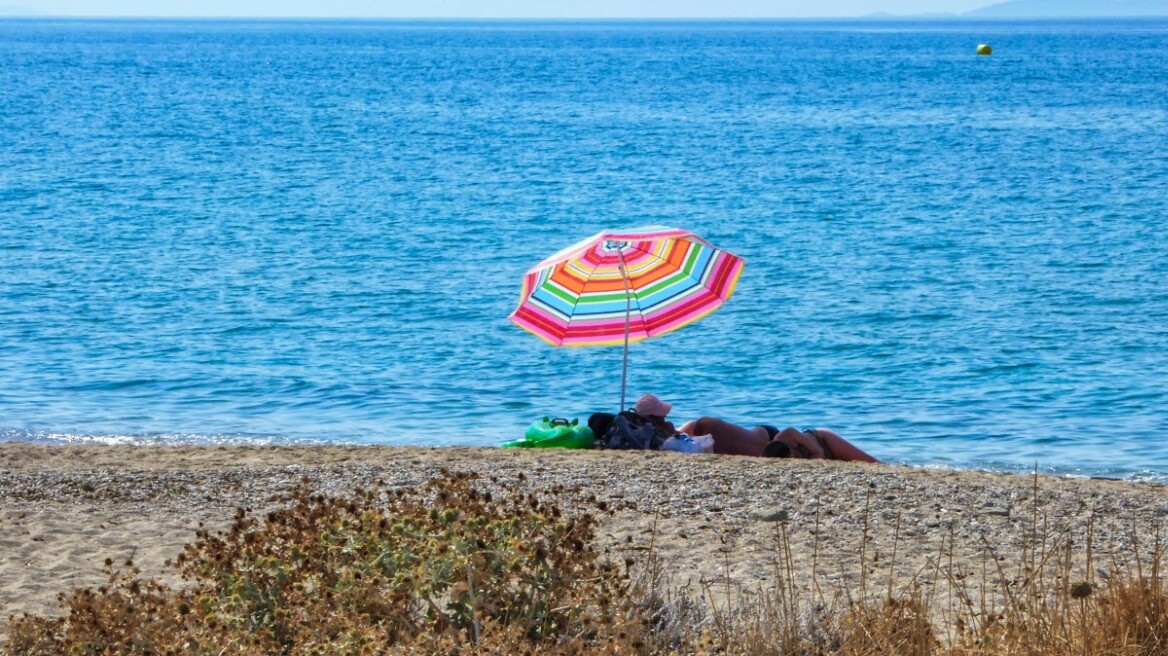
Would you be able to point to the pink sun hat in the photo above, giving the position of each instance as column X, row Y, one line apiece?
column 651, row 406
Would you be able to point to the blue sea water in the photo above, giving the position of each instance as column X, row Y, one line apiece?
column 314, row 232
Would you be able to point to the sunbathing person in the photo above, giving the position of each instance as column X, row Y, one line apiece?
column 655, row 410
column 764, row 440
column 732, row 439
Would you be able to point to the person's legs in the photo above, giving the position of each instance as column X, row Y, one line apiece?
column 730, row 439
column 841, row 448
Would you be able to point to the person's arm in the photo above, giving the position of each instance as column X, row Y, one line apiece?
column 809, row 445
column 662, row 425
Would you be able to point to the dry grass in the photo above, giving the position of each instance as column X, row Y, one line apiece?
column 1050, row 599
column 462, row 565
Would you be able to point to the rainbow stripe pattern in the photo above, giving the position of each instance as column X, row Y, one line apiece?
column 578, row 297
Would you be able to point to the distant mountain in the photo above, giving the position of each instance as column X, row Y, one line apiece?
column 1071, row 9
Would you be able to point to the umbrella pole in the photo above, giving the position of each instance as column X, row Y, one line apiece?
column 628, row 310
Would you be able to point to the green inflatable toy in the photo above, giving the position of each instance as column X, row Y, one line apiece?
column 555, row 433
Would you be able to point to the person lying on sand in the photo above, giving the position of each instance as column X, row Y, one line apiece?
column 764, row 440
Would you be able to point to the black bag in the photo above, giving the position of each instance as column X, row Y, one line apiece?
column 600, row 422
column 627, row 430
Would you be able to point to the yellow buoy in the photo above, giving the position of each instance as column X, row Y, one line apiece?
column 984, row 49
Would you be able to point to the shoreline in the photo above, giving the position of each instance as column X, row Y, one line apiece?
column 713, row 519
column 1104, row 472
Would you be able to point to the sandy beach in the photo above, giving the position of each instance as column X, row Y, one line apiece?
column 64, row 510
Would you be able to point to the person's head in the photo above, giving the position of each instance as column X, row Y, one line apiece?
column 651, row 406
column 777, row 449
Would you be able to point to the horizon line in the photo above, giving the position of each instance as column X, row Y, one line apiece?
column 872, row 17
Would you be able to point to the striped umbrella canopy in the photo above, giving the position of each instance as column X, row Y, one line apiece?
column 617, row 287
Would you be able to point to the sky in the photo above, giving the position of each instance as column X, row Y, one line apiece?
column 491, row 8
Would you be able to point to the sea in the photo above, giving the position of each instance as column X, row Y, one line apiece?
column 313, row 232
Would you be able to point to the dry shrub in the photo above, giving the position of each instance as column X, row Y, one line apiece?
column 444, row 568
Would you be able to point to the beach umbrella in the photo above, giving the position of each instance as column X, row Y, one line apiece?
column 620, row 287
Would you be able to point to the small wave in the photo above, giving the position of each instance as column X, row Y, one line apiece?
column 1131, row 476
column 153, row 439
column 1005, row 368
column 114, row 385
